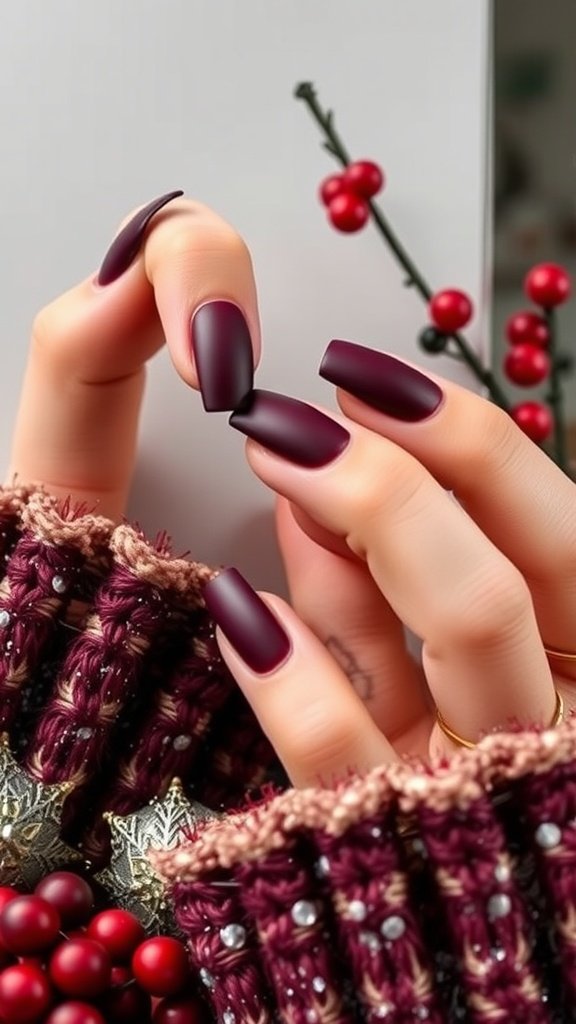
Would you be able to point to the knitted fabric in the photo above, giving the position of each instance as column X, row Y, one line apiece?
column 110, row 676
column 439, row 893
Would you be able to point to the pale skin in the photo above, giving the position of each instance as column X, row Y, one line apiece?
column 371, row 542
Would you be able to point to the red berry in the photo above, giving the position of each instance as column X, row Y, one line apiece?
column 526, row 364
column 450, row 310
column 125, row 1003
column 81, row 967
column 70, row 894
column 527, row 326
column 25, row 994
column 74, row 1012
column 180, row 1011
column 534, row 419
column 348, row 212
column 547, row 284
column 28, row 924
column 7, row 894
column 160, row 965
column 364, row 178
column 331, row 187
column 119, row 931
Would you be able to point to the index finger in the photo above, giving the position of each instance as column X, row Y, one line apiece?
column 190, row 283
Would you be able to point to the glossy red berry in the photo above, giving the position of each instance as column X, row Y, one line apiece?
column 125, row 1003
column 70, row 894
column 160, row 965
column 331, row 187
column 28, row 924
column 186, row 1010
column 25, row 994
column 534, row 419
column 526, row 365
column 348, row 212
column 547, row 284
column 119, row 931
column 450, row 310
column 363, row 177
column 81, row 968
column 527, row 326
column 7, row 894
column 74, row 1012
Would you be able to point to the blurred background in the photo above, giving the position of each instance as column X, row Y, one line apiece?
column 534, row 47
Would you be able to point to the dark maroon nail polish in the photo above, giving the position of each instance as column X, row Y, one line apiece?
column 290, row 428
column 223, row 355
column 246, row 621
column 125, row 246
column 383, row 382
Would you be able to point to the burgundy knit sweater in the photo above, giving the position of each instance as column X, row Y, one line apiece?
column 440, row 893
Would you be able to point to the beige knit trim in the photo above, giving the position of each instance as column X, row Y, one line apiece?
column 499, row 758
column 56, row 523
column 157, row 566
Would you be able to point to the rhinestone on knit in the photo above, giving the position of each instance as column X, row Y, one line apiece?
column 84, row 732
column 59, row 585
column 499, row 905
column 357, row 910
column 4, row 618
column 421, row 1012
column 323, row 866
column 304, row 913
column 393, row 927
column 502, row 873
column 370, row 940
column 206, row 978
column 548, row 835
column 233, row 936
column 181, row 742
column 498, row 954
column 229, row 1017
column 319, row 984
column 311, row 1016
column 384, row 1010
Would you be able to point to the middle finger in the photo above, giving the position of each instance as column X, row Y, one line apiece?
column 444, row 578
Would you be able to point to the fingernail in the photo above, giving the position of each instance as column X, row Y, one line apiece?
column 383, row 382
column 126, row 245
column 223, row 355
column 246, row 621
column 291, row 428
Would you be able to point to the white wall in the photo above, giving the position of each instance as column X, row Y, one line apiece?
column 106, row 103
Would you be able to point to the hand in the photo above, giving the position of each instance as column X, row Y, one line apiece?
column 372, row 541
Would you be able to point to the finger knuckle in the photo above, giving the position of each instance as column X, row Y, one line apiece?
column 50, row 332
column 495, row 603
column 399, row 494
column 323, row 737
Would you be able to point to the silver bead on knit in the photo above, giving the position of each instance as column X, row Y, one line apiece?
column 548, row 835
column 502, row 873
column 370, row 940
column 84, row 732
column 233, row 936
column 59, row 585
column 4, row 618
column 319, row 984
column 181, row 742
column 304, row 913
column 322, row 866
column 206, row 978
column 229, row 1017
column 499, row 905
column 357, row 910
column 384, row 1010
column 393, row 927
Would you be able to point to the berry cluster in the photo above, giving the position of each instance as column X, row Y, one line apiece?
column 450, row 310
column 528, row 361
column 62, row 962
column 347, row 195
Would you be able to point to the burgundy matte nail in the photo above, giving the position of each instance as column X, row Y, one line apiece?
column 126, row 245
column 223, row 355
column 290, row 428
column 246, row 621
column 383, row 382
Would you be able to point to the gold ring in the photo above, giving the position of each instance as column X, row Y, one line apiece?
column 559, row 655
column 469, row 744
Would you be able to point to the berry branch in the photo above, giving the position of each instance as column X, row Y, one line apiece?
column 333, row 144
